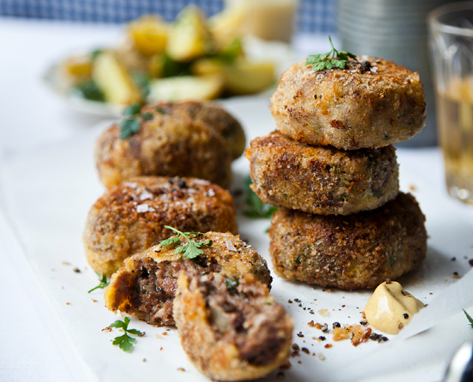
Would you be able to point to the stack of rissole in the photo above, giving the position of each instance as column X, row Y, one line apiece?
column 332, row 170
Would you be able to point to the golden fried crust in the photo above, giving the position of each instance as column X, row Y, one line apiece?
column 159, row 266
column 350, row 108
column 349, row 252
column 216, row 340
column 211, row 114
column 166, row 145
column 131, row 217
column 321, row 180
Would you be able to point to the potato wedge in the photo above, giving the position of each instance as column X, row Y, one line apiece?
column 185, row 88
column 226, row 26
column 246, row 77
column 149, row 34
column 114, row 81
column 189, row 37
column 239, row 77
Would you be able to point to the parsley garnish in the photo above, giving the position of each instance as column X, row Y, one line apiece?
column 256, row 208
column 469, row 318
column 334, row 58
column 102, row 283
column 191, row 249
column 131, row 124
column 125, row 342
column 132, row 109
column 129, row 127
column 147, row 116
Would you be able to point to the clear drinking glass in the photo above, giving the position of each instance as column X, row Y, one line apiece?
column 451, row 47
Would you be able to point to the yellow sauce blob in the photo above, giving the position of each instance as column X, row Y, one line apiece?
column 390, row 308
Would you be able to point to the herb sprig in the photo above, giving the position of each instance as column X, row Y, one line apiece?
column 125, row 342
column 256, row 208
column 102, row 282
column 190, row 250
column 468, row 317
column 334, row 58
column 130, row 125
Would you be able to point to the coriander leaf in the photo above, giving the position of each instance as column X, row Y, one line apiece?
column 129, row 127
column 255, row 207
column 118, row 324
column 315, row 58
column 136, row 332
column 334, row 58
column 192, row 251
column 147, row 116
column 192, row 248
column 171, row 240
column 125, row 342
column 468, row 317
column 160, row 110
column 102, row 284
column 132, row 109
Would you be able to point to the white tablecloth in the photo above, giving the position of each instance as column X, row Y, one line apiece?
column 33, row 347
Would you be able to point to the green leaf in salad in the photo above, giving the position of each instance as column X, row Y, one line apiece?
column 89, row 89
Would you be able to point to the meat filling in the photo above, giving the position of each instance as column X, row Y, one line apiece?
column 154, row 288
column 241, row 313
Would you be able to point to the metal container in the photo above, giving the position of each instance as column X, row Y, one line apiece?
column 397, row 31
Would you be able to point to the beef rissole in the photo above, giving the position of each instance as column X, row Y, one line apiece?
column 145, row 286
column 231, row 328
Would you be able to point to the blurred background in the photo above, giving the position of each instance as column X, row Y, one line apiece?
column 314, row 16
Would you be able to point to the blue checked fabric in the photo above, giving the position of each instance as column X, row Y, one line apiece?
column 313, row 16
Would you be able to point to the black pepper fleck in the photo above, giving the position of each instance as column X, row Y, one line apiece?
column 182, row 183
column 300, row 334
column 405, row 315
column 336, row 325
column 77, row 270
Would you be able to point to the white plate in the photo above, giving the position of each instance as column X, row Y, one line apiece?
column 48, row 193
column 280, row 53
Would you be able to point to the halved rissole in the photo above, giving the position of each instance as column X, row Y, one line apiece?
column 231, row 328
column 145, row 285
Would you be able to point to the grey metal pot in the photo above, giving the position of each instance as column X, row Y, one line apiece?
column 395, row 30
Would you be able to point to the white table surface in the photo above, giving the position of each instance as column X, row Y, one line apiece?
column 33, row 347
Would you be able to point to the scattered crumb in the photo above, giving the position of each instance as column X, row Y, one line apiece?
column 144, row 359
column 321, row 338
column 412, row 187
column 181, row 369
column 312, row 324
column 65, row 263
column 164, row 333
column 323, row 312
column 356, row 333
column 68, row 303
column 107, row 329
column 305, row 350
column 471, row 262
column 328, row 346
column 455, row 275
column 75, row 269
column 321, row 357
column 94, row 300
column 161, row 348
column 300, row 334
